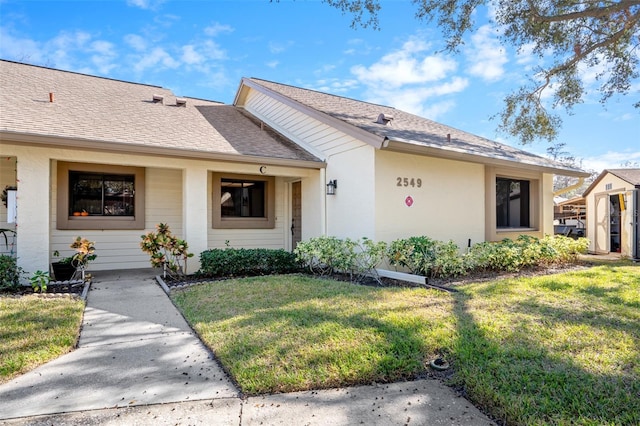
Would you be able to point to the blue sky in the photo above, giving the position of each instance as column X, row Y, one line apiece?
column 203, row 48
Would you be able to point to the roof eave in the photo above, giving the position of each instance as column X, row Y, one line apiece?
column 367, row 137
column 451, row 153
column 132, row 148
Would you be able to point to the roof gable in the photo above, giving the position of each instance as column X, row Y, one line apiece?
column 631, row 176
column 405, row 131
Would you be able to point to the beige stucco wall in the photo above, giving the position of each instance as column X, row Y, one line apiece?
column 541, row 207
column 177, row 192
column 597, row 223
column 448, row 205
column 351, row 211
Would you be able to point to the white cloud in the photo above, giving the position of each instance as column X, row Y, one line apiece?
column 217, row 28
column 420, row 100
column 412, row 78
column 213, row 51
column 276, row 47
column 335, row 85
column 145, row 4
column 190, row 56
column 158, row 56
column 20, row 49
column 486, row 56
column 103, row 57
column 136, row 42
column 409, row 65
column 610, row 160
column 272, row 64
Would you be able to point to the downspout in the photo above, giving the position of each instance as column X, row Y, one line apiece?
column 569, row 188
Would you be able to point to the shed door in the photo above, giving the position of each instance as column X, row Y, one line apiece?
column 296, row 214
column 635, row 223
column 601, row 237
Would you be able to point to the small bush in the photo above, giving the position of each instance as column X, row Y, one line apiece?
column 166, row 250
column 525, row 252
column 428, row 257
column 9, row 274
column 328, row 255
column 230, row 262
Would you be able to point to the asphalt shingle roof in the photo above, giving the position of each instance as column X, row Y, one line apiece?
column 407, row 127
column 111, row 111
column 630, row 175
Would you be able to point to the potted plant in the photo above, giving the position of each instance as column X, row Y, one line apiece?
column 64, row 269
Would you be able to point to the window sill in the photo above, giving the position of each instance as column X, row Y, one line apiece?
column 102, row 222
column 511, row 230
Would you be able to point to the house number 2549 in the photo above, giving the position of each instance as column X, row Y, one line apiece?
column 413, row 182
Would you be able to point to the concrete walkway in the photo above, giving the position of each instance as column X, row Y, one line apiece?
column 138, row 362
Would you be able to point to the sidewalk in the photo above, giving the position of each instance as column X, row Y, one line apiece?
column 138, row 362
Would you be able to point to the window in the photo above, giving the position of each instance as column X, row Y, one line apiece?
column 243, row 201
column 242, row 198
column 98, row 194
column 95, row 196
column 512, row 203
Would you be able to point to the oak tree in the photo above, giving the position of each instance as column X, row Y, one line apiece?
column 568, row 36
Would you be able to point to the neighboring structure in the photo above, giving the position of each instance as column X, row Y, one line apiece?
column 570, row 217
column 613, row 202
column 109, row 159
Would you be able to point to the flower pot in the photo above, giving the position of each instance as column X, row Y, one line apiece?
column 62, row 271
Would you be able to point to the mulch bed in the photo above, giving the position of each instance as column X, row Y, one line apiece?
column 446, row 284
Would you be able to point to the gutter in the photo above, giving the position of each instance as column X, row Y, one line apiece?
column 138, row 148
column 569, row 188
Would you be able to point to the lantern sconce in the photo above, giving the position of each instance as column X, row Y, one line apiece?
column 332, row 186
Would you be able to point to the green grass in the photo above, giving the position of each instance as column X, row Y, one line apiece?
column 555, row 349
column 35, row 330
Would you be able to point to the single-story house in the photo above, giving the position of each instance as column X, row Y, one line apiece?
column 613, row 203
column 109, row 159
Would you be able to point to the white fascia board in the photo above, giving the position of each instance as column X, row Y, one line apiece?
column 452, row 153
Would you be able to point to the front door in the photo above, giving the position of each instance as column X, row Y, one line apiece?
column 296, row 214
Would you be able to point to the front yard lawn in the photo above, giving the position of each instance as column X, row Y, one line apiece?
column 35, row 330
column 555, row 349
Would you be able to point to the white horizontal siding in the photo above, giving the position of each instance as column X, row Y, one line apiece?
column 299, row 126
column 120, row 249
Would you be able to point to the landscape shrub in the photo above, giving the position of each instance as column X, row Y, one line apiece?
column 229, row 262
column 417, row 254
column 425, row 256
column 9, row 274
column 567, row 249
column 328, row 255
column 166, row 250
column 525, row 252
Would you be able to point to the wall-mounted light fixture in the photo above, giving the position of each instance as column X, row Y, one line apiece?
column 332, row 186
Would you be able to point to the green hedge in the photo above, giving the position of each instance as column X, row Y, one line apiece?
column 9, row 274
column 230, row 262
column 422, row 255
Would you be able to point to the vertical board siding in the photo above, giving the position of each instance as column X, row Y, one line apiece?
column 7, row 178
column 121, row 249
column 299, row 126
